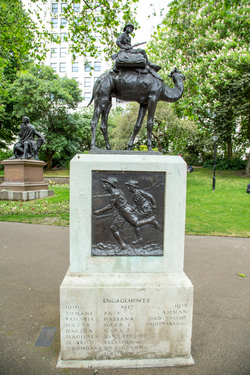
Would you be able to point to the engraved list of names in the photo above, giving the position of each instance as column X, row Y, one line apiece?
column 121, row 327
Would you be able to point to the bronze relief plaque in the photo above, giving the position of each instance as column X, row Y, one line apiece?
column 127, row 213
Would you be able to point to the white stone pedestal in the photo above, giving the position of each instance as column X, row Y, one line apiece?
column 126, row 310
column 9, row 195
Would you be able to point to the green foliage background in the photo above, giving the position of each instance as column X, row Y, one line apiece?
column 209, row 41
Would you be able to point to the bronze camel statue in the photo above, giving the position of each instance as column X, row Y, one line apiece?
column 129, row 85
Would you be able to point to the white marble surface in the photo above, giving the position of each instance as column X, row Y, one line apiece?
column 126, row 311
column 134, row 363
column 81, row 168
column 126, row 320
column 25, row 195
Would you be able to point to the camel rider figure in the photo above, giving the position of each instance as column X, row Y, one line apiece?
column 124, row 42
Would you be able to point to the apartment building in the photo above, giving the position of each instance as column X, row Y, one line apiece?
column 83, row 70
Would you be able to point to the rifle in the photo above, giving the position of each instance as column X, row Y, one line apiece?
column 135, row 45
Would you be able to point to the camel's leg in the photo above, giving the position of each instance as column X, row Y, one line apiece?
column 94, row 123
column 151, row 113
column 141, row 114
column 104, row 124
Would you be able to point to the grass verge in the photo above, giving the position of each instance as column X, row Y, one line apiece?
column 223, row 212
column 50, row 210
column 56, row 173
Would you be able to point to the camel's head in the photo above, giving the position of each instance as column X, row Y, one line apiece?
column 176, row 75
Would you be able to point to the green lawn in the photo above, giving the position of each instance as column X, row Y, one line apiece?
column 56, row 173
column 223, row 212
column 51, row 210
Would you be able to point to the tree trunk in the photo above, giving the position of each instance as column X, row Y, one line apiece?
column 229, row 149
column 157, row 137
column 159, row 145
column 248, row 135
column 248, row 163
column 49, row 157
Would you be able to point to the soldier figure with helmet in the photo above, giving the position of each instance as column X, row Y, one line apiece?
column 126, row 213
column 124, row 42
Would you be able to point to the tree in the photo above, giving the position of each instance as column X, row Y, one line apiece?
column 24, row 36
column 209, row 41
column 95, row 19
column 123, row 122
column 47, row 99
column 85, row 144
column 17, row 32
column 170, row 134
column 17, row 44
column 240, row 93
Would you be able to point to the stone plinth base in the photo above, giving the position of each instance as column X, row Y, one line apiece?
column 9, row 195
column 139, row 363
column 126, row 320
column 23, row 175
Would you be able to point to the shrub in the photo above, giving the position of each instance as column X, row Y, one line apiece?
column 224, row 164
column 5, row 154
column 192, row 160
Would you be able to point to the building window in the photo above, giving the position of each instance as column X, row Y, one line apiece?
column 87, row 67
column 98, row 37
column 97, row 66
column 63, row 67
column 87, row 96
column 75, row 67
column 87, row 82
column 95, row 79
column 98, row 21
column 63, row 51
column 97, row 6
column 63, row 37
column 76, row 7
column 63, row 5
column 54, row 66
column 54, row 23
column 53, row 52
column 54, row 7
column 63, row 22
column 54, row 37
column 76, row 23
column 99, row 51
column 76, row 79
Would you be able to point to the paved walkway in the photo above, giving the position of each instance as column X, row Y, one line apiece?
column 34, row 260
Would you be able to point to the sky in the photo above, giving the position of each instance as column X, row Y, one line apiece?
column 147, row 25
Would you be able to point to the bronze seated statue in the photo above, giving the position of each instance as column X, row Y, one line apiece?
column 26, row 147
